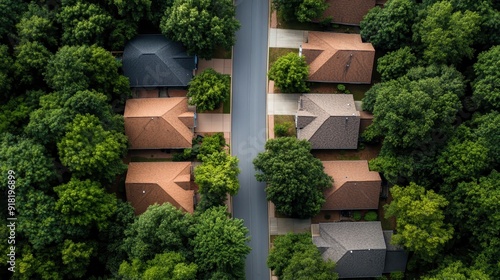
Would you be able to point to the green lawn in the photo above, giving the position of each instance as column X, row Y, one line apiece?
column 275, row 53
column 279, row 119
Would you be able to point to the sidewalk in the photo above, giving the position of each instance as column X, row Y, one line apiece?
column 286, row 38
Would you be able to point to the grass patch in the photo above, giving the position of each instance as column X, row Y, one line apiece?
column 145, row 159
column 275, row 53
column 281, row 119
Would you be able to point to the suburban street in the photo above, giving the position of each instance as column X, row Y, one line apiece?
column 248, row 134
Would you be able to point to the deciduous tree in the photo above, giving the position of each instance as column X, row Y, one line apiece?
column 447, row 35
column 290, row 73
column 208, row 90
column 295, row 179
column 30, row 63
column 300, row 10
column 456, row 270
column 228, row 254
column 88, row 150
column 38, row 25
column 201, row 25
column 390, row 28
column 420, row 221
column 169, row 265
column 161, row 228
column 85, row 203
column 487, row 83
column 395, row 64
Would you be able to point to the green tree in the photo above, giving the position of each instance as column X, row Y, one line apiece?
column 5, row 72
column 201, row 25
column 77, row 68
column 33, row 167
column 294, row 256
column 487, row 130
column 308, row 265
column 216, row 177
column 31, row 60
column 290, row 73
column 10, row 13
column 90, row 151
column 211, row 144
column 161, row 228
column 456, row 270
column 85, row 203
column 486, row 86
column 300, row 10
column 169, row 265
column 395, row 64
column 295, row 179
column 76, row 257
column 420, row 222
column 228, row 254
column 14, row 115
column 37, row 25
column 390, row 28
column 84, row 24
column 410, row 111
column 446, row 35
column 208, row 90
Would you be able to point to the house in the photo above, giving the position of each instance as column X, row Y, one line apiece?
column 148, row 183
column 338, row 58
column 159, row 123
column 355, row 187
column 328, row 121
column 359, row 249
column 348, row 12
column 153, row 61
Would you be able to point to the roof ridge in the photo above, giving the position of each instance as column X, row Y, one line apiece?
column 176, row 118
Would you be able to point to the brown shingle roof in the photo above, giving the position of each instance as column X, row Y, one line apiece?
column 349, row 12
column 148, row 183
column 328, row 121
column 338, row 58
column 354, row 185
column 158, row 123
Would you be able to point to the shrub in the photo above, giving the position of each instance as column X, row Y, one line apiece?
column 398, row 275
column 289, row 73
column 187, row 154
column 341, row 87
column 282, row 129
column 356, row 215
column 371, row 216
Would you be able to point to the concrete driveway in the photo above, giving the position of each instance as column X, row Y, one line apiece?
column 286, row 38
column 282, row 103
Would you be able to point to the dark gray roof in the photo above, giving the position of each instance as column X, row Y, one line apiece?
column 155, row 61
column 396, row 257
column 358, row 248
column 328, row 121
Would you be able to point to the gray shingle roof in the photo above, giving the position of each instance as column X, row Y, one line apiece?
column 336, row 122
column 358, row 248
column 155, row 61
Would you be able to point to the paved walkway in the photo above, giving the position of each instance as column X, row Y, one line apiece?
column 223, row 66
column 286, row 38
column 213, row 123
column 282, row 103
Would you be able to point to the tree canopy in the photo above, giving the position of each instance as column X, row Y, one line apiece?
column 420, row 221
column 487, row 83
column 208, row 90
column 290, row 73
column 295, row 178
column 201, row 25
column 300, row 10
column 228, row 254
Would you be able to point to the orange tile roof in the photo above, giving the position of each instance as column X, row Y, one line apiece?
column 349, row 12
column 158, row 123
column 148, row 183
column 354, row 185
column 338, row 58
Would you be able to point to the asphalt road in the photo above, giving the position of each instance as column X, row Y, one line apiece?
column 248, row 129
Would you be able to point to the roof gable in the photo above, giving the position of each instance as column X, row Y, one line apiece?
column 148, row 183
column 158, row 123
column 338, row 57
column 335, row 124
column 155, row 61
column 354, row 185
column 358, row 248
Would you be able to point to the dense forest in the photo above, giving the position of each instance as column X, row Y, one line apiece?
column 62, row 143
column 436, row 114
